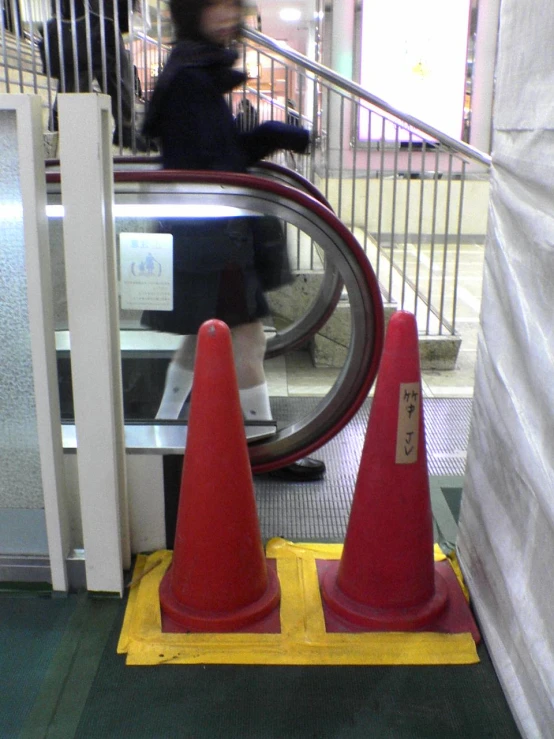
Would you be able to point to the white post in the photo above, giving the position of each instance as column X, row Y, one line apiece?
column 27, row 150
column 89, row 244
column 483, row 74
column 342, row 61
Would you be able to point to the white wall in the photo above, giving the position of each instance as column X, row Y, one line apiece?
column 506, row 541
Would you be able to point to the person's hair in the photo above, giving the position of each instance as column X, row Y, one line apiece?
column 186, row 15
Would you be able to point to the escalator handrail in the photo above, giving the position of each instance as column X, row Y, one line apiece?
column 248, row 181
column 264, row 165
column 304, row 183
column 209, row 177
column 333, row 295
column 308, row 202
column 271, row 167
column 328, row 218
column 333, row 286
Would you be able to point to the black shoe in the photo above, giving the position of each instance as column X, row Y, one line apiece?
column 304, row 470
column 141, row 144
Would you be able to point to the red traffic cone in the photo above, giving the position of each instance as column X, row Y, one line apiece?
column 218, row 579
column 386, row 578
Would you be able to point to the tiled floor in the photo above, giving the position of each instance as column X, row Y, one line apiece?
column 458, row 383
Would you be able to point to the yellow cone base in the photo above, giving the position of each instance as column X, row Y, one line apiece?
column 303, row 639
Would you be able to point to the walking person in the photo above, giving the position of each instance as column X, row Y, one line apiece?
column 91, row 48
column 247, row 116
column 215, row 273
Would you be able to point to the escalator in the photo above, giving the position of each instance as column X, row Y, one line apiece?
column 327, row 258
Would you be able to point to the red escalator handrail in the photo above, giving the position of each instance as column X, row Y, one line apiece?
column 273, row 167
column 226, row 178
column 304, row 183
column 328, row 217
column 305, row 201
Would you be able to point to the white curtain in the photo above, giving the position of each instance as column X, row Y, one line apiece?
column 506, row 539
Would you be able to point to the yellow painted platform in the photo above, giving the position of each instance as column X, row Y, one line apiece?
column 303, row 639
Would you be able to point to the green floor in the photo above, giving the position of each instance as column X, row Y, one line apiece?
column 62, row 678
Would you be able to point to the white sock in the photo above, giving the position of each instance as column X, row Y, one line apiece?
column 178, row 384
column 254, row 402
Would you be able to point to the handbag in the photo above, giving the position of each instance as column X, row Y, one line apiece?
column 271, row 258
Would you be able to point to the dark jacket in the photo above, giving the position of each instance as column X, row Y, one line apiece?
column 216, row 268
column 105, row 8
column 103, row 37
column 189, row 115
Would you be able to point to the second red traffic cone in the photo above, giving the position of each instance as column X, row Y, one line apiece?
column 218, row 580
column 386, row 578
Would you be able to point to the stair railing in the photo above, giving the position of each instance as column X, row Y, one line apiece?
column 412, row 195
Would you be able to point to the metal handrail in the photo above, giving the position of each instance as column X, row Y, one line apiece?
column 396, row 181
column 399, row 184
column 356, row 90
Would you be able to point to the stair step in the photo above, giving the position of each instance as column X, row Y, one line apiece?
column 21, row 47
column 15, row 76
column 13, row 60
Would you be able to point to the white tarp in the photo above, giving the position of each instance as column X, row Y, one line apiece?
column 506, row 539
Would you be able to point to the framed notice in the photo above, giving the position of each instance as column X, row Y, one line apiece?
column 146, row 271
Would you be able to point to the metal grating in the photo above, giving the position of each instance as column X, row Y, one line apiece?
column 318, row 511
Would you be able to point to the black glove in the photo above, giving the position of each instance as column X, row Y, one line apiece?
column 279, row 135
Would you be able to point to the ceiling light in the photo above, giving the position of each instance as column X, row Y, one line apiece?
column 290, row 14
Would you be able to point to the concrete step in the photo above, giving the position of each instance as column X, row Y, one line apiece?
column 14, row 61
column 21, row 49
column 329, row 347
column 26, row 79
